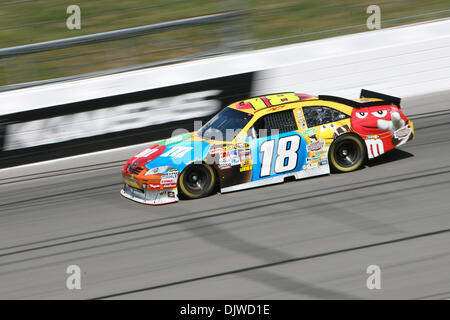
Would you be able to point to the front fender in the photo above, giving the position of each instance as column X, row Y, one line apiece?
column 180, row 155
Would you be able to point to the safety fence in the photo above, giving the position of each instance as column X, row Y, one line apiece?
column 239, row 26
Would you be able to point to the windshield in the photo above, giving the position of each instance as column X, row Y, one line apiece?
column 225, row 125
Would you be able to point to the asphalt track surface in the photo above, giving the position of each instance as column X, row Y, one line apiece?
column 307, row 239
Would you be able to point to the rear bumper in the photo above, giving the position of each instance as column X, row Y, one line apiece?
column 150, row 197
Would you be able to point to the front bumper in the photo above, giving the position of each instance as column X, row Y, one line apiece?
column 151, row 197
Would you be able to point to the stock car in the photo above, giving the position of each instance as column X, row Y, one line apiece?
column 265, row 139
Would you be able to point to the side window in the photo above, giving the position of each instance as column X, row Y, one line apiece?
column 274, row 123
column 318, row 115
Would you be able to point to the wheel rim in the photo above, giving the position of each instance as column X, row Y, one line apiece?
column 197, row 180
column 347, row 154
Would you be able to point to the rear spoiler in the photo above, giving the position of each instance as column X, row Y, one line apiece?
column 365, row 94
column 372, row 94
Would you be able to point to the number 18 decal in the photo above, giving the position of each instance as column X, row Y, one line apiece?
column 286, row 157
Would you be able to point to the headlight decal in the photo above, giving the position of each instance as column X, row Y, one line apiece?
column 157, row 170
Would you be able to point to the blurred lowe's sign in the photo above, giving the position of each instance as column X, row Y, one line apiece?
column 115, row 121
column 114, row 118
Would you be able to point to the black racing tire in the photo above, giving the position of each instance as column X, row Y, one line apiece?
column 196, row 181
column 347, row 153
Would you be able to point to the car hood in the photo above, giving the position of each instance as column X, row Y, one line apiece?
column 175, row 153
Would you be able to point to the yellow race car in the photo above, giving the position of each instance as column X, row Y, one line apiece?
column 263, row 140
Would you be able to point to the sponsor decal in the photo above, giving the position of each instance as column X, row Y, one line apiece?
column 228, row 148
column 168, row 180
column 153, row 186
column 224, row 160
column 246, row 158
column 225, row 165
column 402, row 132
column 315, row 146
column 322, row 163
column 374, row 148
column 310, row 132
column 312, row 165
column 235, row 159
column 243, row 145
column 244, row 152
column 170, row 175
column 224, row 155
column 375, row 120
column 245, row 168
column 171, row 194
column 301, row 119
column 169, row 186
column 229, row 158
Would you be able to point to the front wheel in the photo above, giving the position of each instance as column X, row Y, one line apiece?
column 347, row 153
column 196, row 181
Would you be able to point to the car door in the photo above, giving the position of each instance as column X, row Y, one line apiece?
column 320, row 125
column 322, row 122
column 277, row 148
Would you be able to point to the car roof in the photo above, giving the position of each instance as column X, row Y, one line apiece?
column 264, row 102
column 285, row 100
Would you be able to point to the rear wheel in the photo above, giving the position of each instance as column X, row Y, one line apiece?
column 347, row 153
column 196, row 181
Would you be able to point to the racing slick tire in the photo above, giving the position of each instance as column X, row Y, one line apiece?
column 347, row 153
column 196, row 181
